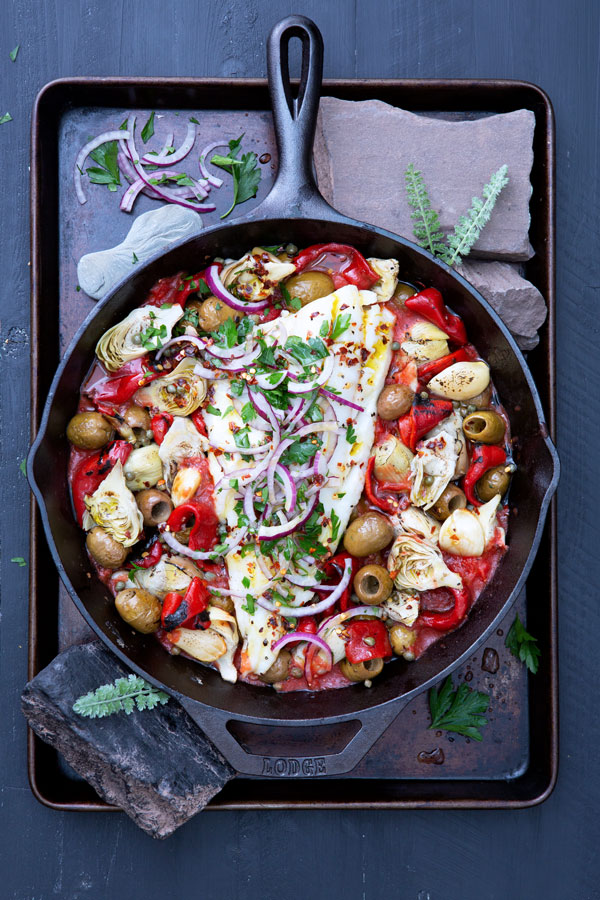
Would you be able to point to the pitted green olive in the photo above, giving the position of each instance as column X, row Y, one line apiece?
column 139, row 608
column 309, row 286
column 394, row 401
column 404, row 290
column 105, row 550
column 361, row 671
column 450, row 499
column 402, row 639
column 212, row 312
column 89, row 431
column 373, row 585
column 485, row 426
column 155, row 506
column 137, row 417
column 367, row 534
column 494, row 482
column 279, row 670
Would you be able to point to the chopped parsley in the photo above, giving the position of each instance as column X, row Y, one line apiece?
column 523, row 645
column 237, row 388
column 301, row 451
column 148, row 129
column 152, row 337
column 245, row 173
column 242, row 441
column 226, row 335
column 335, row 526
column 5, row 118
column 246, row 581
column 19, row 561
column 107, row 169
column 294, row 303
column 13, row 53
column 351, row 434
column 135, row 260
column 248, row 412
column 324, row 329
column 213, row 410
column 249, row 605
column 340, row 324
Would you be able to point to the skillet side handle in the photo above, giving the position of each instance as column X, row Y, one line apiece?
column 295, row 191
column 373, row 723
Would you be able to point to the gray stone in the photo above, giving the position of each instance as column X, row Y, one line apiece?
column 518, row 302
column 156, row 765
column 363, row 149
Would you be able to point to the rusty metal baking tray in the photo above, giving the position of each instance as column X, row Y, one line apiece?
column 516, row 764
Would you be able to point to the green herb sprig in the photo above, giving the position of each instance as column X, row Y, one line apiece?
column 426, row 227
column 107, row 171
column 245, row 173
column 523, row 645
column 123, row 695
column 460, row 711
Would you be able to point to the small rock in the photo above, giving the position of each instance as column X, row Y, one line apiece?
column 518, row 302
column 363, row 148
column 156, row 765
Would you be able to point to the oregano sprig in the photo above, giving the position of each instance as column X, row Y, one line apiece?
column 427, row 229
column 123, row 695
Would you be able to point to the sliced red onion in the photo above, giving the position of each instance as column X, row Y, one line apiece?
column 282, row 447
column 233, row 542
column 244, row 451
column 249, row 503
column 213, row 179
column 289, row 487
column 130, row 195
column 228, row 353
column 241, row 362
column 299, row 411
column 213, row 280
column 125, row 166
column 321, row 378
column 266, row 411
column 340, row 618
column 314, row 608
column 88, row 148
column 340, row 399
column 273, row 532
column 209, row 374
column 181, row 153
column 315, row 427
column 295, row 636
column 190, row 338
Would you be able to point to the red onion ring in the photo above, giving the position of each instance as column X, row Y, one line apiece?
column 341, row 399
column 169, row 159
column 289, row 487
column 85, row 151
column 340, row 618
column 273, row 464
column 313, row 609
column 273, row 532
column 184, row 550
column 213, row 179
column 213, row 280
column 295, row 636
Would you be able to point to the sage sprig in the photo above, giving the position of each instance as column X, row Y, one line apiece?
column 427, row 229
column 123, row 695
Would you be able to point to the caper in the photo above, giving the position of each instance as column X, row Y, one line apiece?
column 171, row 389
column 485, row 426
column 363, row 671
column 428, row 480
column 373, row 585
column 137, row 339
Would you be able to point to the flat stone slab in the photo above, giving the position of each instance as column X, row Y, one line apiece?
column 156, row 765
column 364, row 147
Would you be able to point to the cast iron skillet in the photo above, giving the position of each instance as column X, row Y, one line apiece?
column 295, row 211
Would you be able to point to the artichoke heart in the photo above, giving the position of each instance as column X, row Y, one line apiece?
column 182, row 441
column 433, row 467
column 254, row 276
column 179, row 393
column 387, row 269
column 415, row 521
column 169, row 574
column 143, row 468
column 403, row 606
column 113, row 507
column 418, row 565
column 392, row 460
column 146, row 328
column 426, row 342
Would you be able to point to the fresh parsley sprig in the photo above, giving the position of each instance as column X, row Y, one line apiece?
column 523, row 645
column 245, row 173
column 123, row 695
column 427, row 229
column 460, row 711
column 107, row 171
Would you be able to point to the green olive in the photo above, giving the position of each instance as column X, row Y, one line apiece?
column 485, row 426
column 279, row 670
column 89, row 431
column 155, row 506
column 361, row 671
column 212, row 312
column 373, row 584
column 450, row 499
column 105, row 550
column 402, row 639
column 495, row 481
column 137, row 417
column 224, row 603
column 139, row 608
column 404, row 290
column 394, row 401
column 367, row 534
column 309, row 286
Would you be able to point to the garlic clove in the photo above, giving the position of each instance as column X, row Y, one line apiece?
column 461, row 381
column 462, row 534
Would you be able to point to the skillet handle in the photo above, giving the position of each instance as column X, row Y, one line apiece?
column 213, row 722
column 295, row 192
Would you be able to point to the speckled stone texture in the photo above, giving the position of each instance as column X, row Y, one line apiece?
column 156, row 765
column 366, row 145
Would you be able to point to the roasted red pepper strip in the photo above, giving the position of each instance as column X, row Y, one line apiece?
column 91, row 472
column 423, row 416
column 377, row 645
column 203, row 535
column 152, row 556
column 429, row 369
column 344, row 264
column 198, row 420
column 485, row 456
column 429, row 304
column 384, row 503
column 122, row 385
column 182, row 611
column 160, row 424
column 175, row 289
column 444, row 621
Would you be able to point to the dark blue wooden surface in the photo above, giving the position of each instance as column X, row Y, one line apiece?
column 548, row 852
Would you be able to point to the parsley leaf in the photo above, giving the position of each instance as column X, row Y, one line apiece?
column 13, row 53
column 339, row 326
column 242, row 441
column 248, row 412
column 194, row 120
column 227, row 335
column 249, row 605
column 335, row 525
column 351, row 434
column 5, row 118
column 213, row 410
column 237, row 388
column 294, row 303
column 23, row 467
column 19, row 561
column 300, row 452
column 324, row 329
column 107, row 171
column 134, row 260
column 148, row 129
column 245, row 173
column 460, row 711
column 523, row 645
